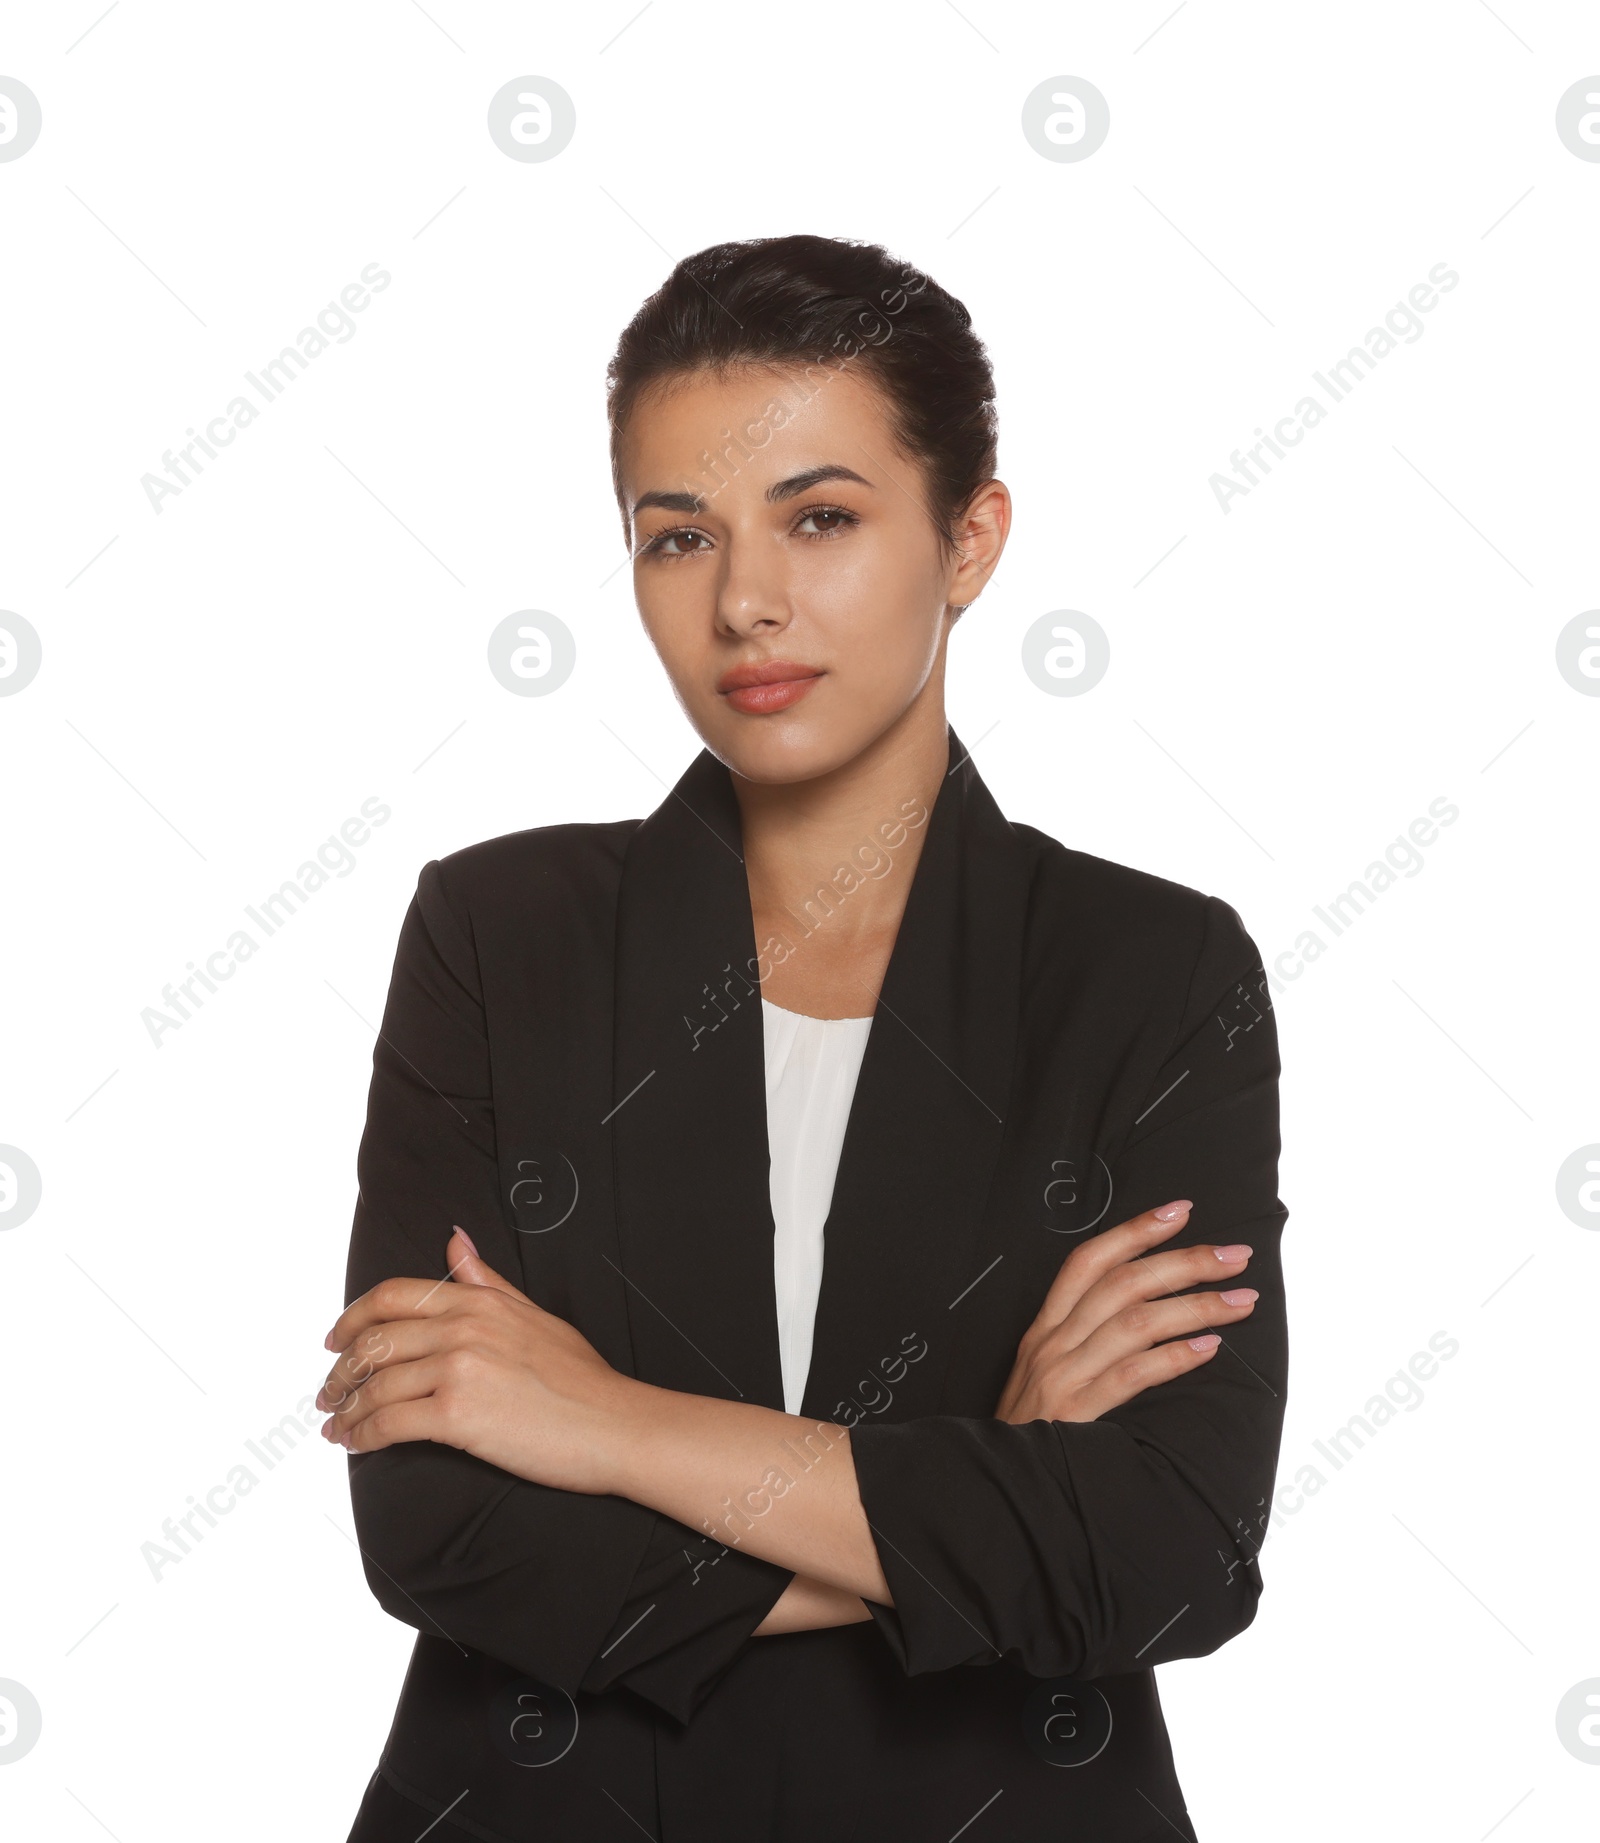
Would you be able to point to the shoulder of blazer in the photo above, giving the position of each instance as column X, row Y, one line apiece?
column 1120, row 898
column 520, row 877
column 1131, row 919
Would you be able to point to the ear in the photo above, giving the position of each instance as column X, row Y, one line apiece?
column 982, row 529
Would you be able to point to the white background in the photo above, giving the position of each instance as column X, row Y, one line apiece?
column 1372, row 628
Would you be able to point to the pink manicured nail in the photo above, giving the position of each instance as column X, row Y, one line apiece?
column 1169, row 1212
column 1209, row 1342
column 465, row 1237
column 1235, row 1251
column 327, row 1342
column 1241, row 1295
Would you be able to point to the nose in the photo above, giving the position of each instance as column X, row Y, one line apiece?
column 752, row 595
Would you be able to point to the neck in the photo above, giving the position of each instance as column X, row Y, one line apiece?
column 830, row 860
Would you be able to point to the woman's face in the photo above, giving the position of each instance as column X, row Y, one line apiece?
column 786, row 565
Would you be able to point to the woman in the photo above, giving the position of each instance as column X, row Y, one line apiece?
column 706, row 1536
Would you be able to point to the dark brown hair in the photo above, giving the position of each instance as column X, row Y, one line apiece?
column 826, row 301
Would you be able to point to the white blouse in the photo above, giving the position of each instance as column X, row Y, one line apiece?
column 812, row 1065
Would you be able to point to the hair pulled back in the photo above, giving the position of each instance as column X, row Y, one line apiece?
column 823, row 304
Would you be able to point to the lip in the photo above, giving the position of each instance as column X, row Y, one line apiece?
column 774, row 684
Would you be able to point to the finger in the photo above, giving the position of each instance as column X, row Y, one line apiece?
column 422, row 1419
column 1135, row 1374
column 1149, row 1276
column 403, row 1382
column 389, row 1299
column 466, row 1264
column 1097, row 1256
column 406, row 1340
column 1138, row 1327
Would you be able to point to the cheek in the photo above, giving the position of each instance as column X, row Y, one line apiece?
column 879, row 607
column 673, row 622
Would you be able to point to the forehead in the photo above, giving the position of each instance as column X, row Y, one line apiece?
column 770, row 420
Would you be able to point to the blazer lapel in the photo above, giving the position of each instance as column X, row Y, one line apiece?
column 689, row 1120
column 928, row 1117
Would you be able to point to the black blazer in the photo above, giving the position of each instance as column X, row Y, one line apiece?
column 571, row 1067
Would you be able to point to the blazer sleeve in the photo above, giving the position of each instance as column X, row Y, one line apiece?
column 1088, row 1549
column 578, row 1591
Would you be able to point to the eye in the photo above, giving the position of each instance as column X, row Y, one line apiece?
column 812, row 514
column 657, row 547
column 684, row 541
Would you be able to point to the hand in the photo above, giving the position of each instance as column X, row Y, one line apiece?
column 471, row 1362
column 1097, row 1341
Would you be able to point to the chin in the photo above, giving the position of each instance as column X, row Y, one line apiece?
column 779, row 749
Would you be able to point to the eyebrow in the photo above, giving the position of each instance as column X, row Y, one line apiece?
column 779, row 490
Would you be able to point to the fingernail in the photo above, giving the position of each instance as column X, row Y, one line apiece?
column 1241, row 1295
column 1209, row 1342
column 327, row 1428
column 465, row 1237
column 1235, row 1251
column 1169, row 1212
column 327, row 1342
